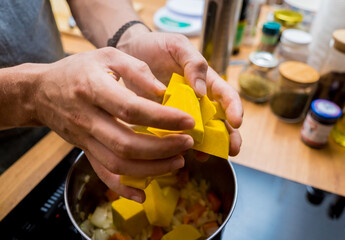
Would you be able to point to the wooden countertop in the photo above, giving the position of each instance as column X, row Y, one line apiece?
column 269, row 145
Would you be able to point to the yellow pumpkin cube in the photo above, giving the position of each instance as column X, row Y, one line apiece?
column 129, row 216
column 183, row 232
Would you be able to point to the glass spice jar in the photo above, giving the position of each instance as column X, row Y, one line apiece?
column 294, row 90
column 256, row 80
column 320, row 119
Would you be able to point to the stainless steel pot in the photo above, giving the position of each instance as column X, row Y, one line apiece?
column 84, row 190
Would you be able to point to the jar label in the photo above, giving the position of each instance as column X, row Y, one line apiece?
column 315, row 133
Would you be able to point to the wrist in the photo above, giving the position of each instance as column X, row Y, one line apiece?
column 124, row 43
column 19, row 86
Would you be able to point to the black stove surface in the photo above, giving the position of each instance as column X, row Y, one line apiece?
column 268, row 207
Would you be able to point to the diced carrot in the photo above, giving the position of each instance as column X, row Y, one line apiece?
column 194, row 212
column 157, row 233
column 111, row 195
column 118, row 236
column 210, row 228
column 215, row 201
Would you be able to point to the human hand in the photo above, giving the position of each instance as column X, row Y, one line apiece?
column 78, row 98
column 166, row 53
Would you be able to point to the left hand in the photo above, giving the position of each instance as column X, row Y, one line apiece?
column 166, row 53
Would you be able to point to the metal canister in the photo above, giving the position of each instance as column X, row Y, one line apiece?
column 318, row 124
column 219, row 27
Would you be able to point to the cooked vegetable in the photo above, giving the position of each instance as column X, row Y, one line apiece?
column 215, row 201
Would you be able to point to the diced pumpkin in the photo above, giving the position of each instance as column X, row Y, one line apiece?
column 160, row 204
column 129, row 216
column 183, row 232
column 216, row 140
column 208, row 110
column 136, row 182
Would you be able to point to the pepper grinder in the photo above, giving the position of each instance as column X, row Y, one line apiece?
column 218, row 32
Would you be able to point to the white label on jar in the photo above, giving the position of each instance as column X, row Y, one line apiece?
column 315, row 133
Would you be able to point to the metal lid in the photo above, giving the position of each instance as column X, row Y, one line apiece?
column 295, row 36
column 298, row 72
column 271, row 28
column 339, row 40
column 326, row 109
column 263, row 59
column 288, row 17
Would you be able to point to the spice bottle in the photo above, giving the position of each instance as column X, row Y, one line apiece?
column 257, row 78
column 293, row 92
column 320, row 119
column 293, row 46
column 332, row 81
column 269, row 37
column 288, row 18
column 338, row 131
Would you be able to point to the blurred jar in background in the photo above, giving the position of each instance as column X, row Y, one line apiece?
column 252, row 18
column 329, row 18
column 269, row 37
column 288, row 19
column 338, row 132
column 293, row 93
column 257, row 78
column 320, row 119
column 293, row 46
column 332, row 81
column 240, row 28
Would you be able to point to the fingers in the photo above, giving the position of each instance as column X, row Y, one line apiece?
column 235, row 140
column 227, row 96
column 131, row 167
column 194, row 65
column 113, row 181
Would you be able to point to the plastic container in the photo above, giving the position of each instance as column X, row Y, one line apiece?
column 269, row 37
column 257, row 78
column 332, row 82
column 293, row 92
column 319, row 122
column 293, row 46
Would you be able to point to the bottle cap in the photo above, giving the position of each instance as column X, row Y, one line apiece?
column 339, row 40
column 298, row 72
column 263, row 59
column 326, row 109
column 271, row 28
column 288, row 18
column 295, row 36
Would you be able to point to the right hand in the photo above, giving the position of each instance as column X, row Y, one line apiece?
column 78, row 98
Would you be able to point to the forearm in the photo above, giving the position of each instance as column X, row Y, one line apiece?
column 100, row 19
column 17, row 95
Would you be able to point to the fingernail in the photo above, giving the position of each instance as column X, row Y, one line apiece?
column 177, row 163
column 200, row 87
column 136, row 198
column 189, row 142
column 188, row 123
column 160, row 85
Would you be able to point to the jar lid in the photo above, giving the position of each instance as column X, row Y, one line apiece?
column 295, row 36
column 288, row 17
column 339, row 40
column 263, row 59
column 298, row 72
column 271, row 28
column 326, row 109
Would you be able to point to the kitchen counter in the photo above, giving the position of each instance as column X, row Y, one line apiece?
column 269, row 145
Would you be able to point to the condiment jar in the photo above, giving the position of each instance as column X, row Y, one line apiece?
column 257, row 78
column 288, row 18
column 293, row 92
column 269, row 37
column 318, row 124
column 293, row 46
column 332, row 81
